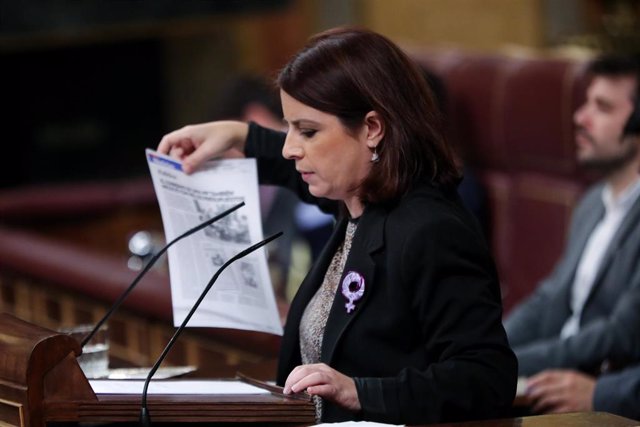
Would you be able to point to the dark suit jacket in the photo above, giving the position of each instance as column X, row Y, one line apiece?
column 425, row 343
column 611, row 316
column 619, row 393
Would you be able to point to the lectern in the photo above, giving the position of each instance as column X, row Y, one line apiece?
column 41, row 381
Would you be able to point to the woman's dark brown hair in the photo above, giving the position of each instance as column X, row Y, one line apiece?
column 349, row 72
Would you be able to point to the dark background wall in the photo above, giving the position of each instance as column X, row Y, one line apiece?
column 86, row 86
column 80, row 112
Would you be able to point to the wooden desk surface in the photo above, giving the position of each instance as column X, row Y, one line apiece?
column 578, row 419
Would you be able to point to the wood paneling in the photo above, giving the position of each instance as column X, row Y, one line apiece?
column 473, row 24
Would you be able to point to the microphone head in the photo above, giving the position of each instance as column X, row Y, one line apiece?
column 141, row 243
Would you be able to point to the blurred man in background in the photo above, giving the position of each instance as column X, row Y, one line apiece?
column 252, row 98
column 586, row 315
column 566, row 390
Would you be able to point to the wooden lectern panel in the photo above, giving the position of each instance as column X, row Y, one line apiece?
column 36, row 363
column 263, row 408
column 41, row 381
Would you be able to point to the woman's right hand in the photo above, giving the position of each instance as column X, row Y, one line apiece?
column 195, row 144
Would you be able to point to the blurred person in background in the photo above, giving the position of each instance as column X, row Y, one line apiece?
column 471, row 191
column 252, row 98
column 586, row 315
column 567, row 390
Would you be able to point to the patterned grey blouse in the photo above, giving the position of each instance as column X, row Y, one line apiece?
column 314, row 319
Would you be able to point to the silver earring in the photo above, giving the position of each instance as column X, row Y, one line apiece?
column 374, row 157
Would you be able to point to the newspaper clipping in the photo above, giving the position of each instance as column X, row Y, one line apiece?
column 242, row 297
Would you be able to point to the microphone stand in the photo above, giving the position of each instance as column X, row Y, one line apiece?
column 152, row 261
column 145, row 419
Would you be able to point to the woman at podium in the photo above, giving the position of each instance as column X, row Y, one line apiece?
column 399, row 319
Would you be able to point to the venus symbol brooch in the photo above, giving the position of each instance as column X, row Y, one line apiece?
column 352, row 289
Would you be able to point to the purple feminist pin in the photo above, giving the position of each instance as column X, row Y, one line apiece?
column 352, row 289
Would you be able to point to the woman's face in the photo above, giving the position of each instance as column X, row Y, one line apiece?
column 331, row 160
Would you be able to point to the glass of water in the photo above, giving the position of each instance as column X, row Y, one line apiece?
column 94, row 360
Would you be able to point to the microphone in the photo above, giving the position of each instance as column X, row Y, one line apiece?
column 145, row 420
column 147, row 267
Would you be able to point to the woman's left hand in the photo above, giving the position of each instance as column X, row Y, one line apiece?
column 324, row 381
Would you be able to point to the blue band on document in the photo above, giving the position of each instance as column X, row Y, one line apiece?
column 162, row 161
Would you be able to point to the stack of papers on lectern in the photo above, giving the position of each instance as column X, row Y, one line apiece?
column 175, row 387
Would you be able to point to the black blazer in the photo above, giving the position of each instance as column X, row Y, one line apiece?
column 425, row 342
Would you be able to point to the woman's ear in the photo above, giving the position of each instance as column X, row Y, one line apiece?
column 374, row 127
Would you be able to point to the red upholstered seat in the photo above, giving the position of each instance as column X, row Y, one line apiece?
column 540, row 98
column 512, row 118
column 540, row 209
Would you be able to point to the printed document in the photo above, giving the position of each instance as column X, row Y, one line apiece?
column 175, row 387
column 242, row 297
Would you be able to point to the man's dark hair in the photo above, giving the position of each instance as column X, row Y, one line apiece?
column 620, row 65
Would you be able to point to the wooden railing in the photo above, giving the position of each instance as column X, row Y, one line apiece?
column 63, row 262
